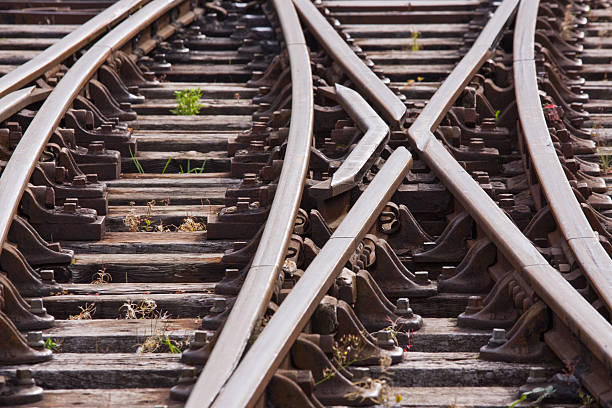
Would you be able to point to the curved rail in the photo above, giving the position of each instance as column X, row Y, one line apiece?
column 272, row 345
column 67, row 46
column 360, row 159
column 257, row 289
column 23, row 160
column 401, row 5
column 390, row 107
column 571, row 308
column 590, row 255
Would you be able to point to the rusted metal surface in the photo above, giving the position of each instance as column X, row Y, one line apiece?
column 383, row 99
column 17, row 100
column 268, row 260
column 361, row 158
column 21, row 165
column 400, row 5
column 592, row 329
column 67, row 46
column 589, row 253
column 586, row 323
column 266, row 354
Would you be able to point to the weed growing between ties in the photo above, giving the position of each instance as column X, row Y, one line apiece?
column 605, row 160
column 414, row 35
column 144, row 222
column 101, row 277
column 145, row 309
column 188, row 102
column 159, row 342
column 51, row 345
column 86, row 312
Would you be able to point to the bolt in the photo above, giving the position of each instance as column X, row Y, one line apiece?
column 474, row 305
column 47, row 275
column 402, row 307
column 484, row 179
column 384, row 339
column 498, row 338
column 79, row 180
column 36, row 307
column 188, row 375
column 506, row 202
column 564, row 268
column 536, row 375
column 24, row 377
column 232, row 273
column 360, row 373
column 218, row 306
column 69, row 208
column 421, row 276
column 448, row 271
column 243, row 204
column 476, row 143
column 429, row 245
column 200, row 339
column 96, row 147
column 35, row 339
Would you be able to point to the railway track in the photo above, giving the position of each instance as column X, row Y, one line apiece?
column 328, row 203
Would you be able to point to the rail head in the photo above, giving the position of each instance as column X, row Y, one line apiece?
column 249, row 380
column 364, row 153
column 590, row 255
column 257, row 289
column 576, row 312
column 382, row 98
column 67, row 46
column 19, row 168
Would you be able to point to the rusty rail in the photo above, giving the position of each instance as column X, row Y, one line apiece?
column 571, row 308
column 256, row 369
column 67, row 46
column 390, row 107
column 399, row 5
column 21, row 164
column 593, row 259
column 360, row 159
column 257, row 289
column 567, row 304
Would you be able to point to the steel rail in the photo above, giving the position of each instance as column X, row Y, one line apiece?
column 19, row 168
column 360, row 159
column 17, row 100
column 390, row 107
column 571, row 308
column 590, row 255
column 399, row 5
column 258, row 286
column 67, row 46
column 257, row 367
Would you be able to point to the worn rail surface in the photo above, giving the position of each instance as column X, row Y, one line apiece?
column 346, row 215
